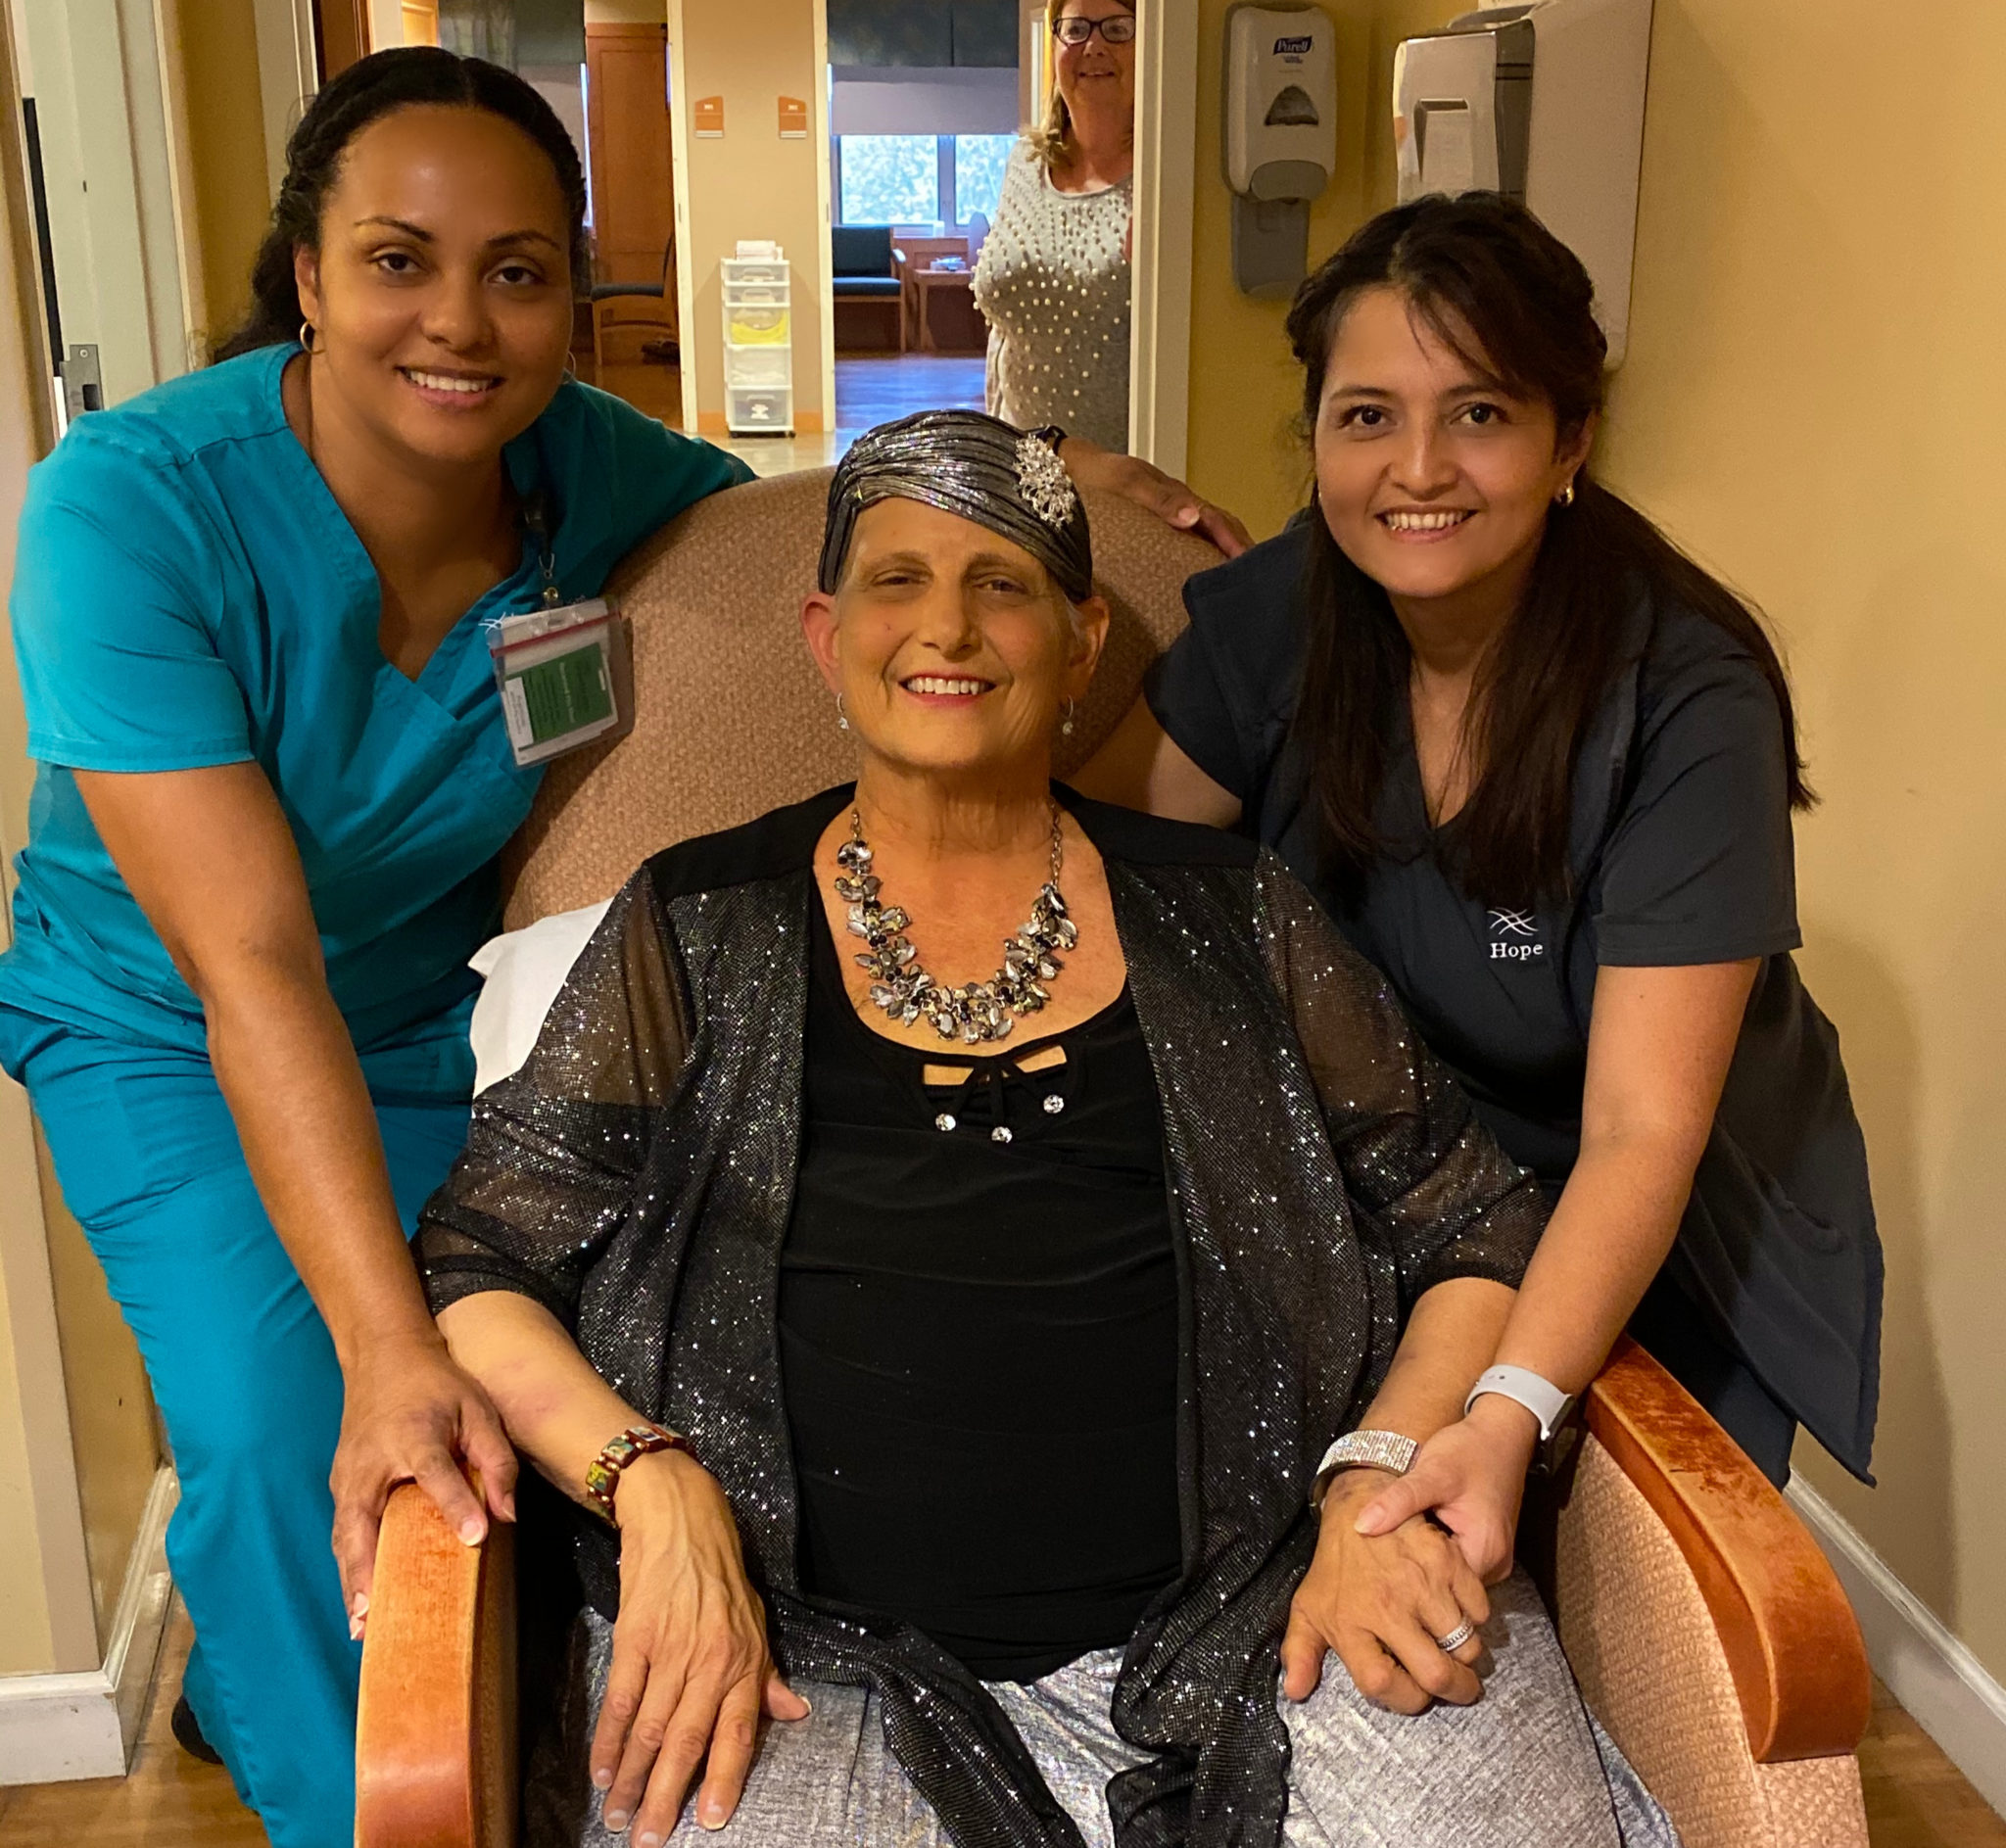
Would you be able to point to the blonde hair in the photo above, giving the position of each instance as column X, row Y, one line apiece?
column 1051, row 138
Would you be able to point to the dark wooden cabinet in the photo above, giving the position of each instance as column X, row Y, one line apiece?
column 633, row 183
column 341, row 32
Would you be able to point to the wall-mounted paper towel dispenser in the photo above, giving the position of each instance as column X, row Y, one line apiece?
column 1542, row 100
column 1280, row 138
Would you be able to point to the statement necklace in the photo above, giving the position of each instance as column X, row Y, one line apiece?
column 979, row 1010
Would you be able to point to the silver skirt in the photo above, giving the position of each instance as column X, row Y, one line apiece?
column 1525, row 1767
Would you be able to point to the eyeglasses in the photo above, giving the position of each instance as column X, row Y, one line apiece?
column 1117, row 29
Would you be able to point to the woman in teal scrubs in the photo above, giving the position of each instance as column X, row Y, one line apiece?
column 251, row 613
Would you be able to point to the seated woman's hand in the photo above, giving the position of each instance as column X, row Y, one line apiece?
column 1471, row 1477
column 1143, row 483
column 1380, row 1601
column 691, row 1670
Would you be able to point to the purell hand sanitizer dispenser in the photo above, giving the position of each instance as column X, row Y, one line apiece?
column 1543, row 101
column 1279, row 140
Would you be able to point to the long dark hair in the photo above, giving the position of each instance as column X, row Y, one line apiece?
column 366, row 91
column 1499, row 288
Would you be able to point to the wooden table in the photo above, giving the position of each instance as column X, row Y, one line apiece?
column 927, row 281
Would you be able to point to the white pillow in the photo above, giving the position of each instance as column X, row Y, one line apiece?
column 525, row 970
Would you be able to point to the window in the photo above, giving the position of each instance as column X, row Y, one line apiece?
column 919, row 179
column 889, row 179
column 979, row 164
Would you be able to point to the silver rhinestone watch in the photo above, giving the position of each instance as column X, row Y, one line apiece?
column 1379, row 1450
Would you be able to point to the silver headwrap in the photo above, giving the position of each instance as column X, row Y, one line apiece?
column 976, row 467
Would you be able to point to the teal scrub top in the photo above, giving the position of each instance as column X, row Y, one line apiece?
column 188, row 592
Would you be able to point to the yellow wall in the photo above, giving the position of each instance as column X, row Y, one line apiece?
column 76, row 1351
column 1812, row 400
column 1245, row 389
column 1812, row 404
column 227, row 151
column 111, row 1423
column 27, row 1622
column 751, row 183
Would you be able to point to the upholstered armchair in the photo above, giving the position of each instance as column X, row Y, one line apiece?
column 1706, row 1629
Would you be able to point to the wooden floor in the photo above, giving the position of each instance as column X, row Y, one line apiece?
column 1915, row 1796
column 872, row 390
column 869, row 391
column 168, row 1800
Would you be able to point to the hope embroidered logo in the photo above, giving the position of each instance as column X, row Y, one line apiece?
column 1515, row 937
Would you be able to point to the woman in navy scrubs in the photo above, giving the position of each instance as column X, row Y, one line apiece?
column 250, row 615
column 1541, row 768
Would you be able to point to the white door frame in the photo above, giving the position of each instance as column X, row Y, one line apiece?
column 1160, row 308
column 287, row 75
column 41, row 1528
column 824, row 266
column 678, row 166
column 103, row 113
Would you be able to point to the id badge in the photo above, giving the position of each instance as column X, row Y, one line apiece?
column 566, row 678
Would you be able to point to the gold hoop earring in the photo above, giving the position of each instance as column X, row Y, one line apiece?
column 307, row 332
column 1566, row 498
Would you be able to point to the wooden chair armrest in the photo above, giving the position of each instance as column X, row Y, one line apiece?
column 435, row 1730
column 1789, row 1637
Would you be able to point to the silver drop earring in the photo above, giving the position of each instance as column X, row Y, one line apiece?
column 843, row 719
column 1066, row 723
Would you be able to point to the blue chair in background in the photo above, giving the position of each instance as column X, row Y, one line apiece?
column 866, row 290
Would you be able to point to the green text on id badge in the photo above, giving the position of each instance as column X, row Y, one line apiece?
column 564, row 675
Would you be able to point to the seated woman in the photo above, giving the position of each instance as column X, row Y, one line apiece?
column 963, row 1341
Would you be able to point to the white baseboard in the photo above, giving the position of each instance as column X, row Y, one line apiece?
column 56, row 1728
column 1943, row 1687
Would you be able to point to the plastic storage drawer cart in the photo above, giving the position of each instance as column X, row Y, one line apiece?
column 759, row 354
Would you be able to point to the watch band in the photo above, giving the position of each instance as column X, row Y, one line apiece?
column 602, row 1473
column 1376, row 1449
column 1050, row 435
column 1541, row 1397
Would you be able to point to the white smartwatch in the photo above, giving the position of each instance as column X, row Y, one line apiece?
column 1541, row 1397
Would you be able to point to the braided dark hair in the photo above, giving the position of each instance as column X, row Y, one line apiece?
column 365, row 92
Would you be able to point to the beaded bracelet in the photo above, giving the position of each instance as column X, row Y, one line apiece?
column 602, row 1474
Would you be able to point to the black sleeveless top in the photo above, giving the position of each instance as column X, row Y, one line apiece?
column 979, row 1336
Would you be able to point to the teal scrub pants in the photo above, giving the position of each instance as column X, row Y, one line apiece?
column 245, row 1374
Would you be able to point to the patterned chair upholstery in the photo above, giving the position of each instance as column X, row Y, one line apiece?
column 1707, row 1630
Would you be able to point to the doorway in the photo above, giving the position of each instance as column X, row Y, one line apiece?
column 925, row 109
column 910, row 135
column 633, row 338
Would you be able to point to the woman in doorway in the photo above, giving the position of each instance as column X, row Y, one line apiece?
column 250, row 613
column 1540, row 767
column 1053, row 278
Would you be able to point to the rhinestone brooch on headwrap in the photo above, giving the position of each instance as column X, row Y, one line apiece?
column 1042, row 482
column 976, row 467
column 978, row 1011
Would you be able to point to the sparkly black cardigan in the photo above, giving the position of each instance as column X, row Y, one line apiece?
column 636, row 1175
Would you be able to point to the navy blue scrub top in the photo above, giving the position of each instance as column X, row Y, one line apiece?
column 188, row 592
column 1681, row 853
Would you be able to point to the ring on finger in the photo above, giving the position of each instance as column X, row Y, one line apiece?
column 1457, row 1638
